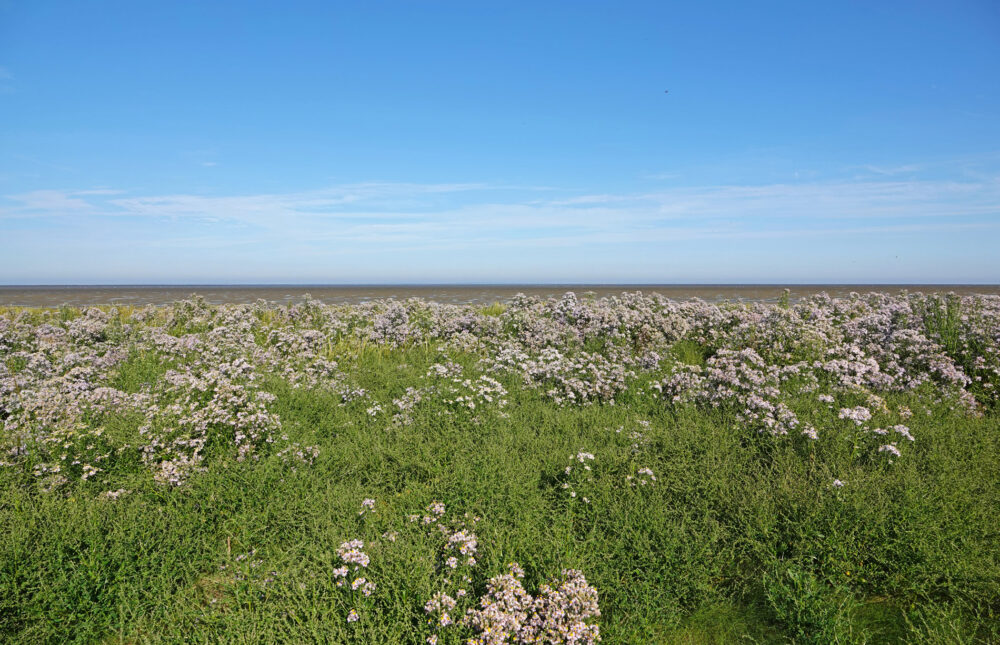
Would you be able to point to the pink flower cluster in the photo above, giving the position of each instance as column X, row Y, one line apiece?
column 560, row 613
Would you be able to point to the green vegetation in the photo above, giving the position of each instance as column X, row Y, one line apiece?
column 735, row 540
column 742, row 537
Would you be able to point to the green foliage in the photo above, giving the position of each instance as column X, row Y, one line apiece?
column 140, row 369
column 16, row 363
column 942, row 317
column 784, row 301
column 740, row 539
column 493, row 309
column 814, row 612
column 689, row 352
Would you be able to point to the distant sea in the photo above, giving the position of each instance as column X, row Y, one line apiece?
column 54, row 296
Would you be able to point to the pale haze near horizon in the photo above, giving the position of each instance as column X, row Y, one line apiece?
column 499, row 143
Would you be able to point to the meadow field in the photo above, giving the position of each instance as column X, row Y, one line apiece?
column 626, row 469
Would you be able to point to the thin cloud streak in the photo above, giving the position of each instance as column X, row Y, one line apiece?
column 844, row 200
column 369, row 220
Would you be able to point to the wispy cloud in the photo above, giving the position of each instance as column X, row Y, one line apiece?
column 51, row 203
column 368, row 200
column 99, row 191
column 892, row 170
column 446, row 216
column 661, row 176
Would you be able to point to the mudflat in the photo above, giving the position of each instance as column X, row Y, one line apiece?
column 81, row 296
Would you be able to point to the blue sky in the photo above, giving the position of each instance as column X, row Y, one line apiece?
column 350, row 142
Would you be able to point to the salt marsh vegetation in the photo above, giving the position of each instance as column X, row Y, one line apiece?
column 564, row 470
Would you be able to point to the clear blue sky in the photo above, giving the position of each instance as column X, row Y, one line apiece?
column 345, row 142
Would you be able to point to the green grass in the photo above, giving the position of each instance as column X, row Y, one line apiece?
column 742, row 538
column 493, row 309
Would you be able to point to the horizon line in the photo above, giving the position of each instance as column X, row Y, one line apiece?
column 230, row 285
